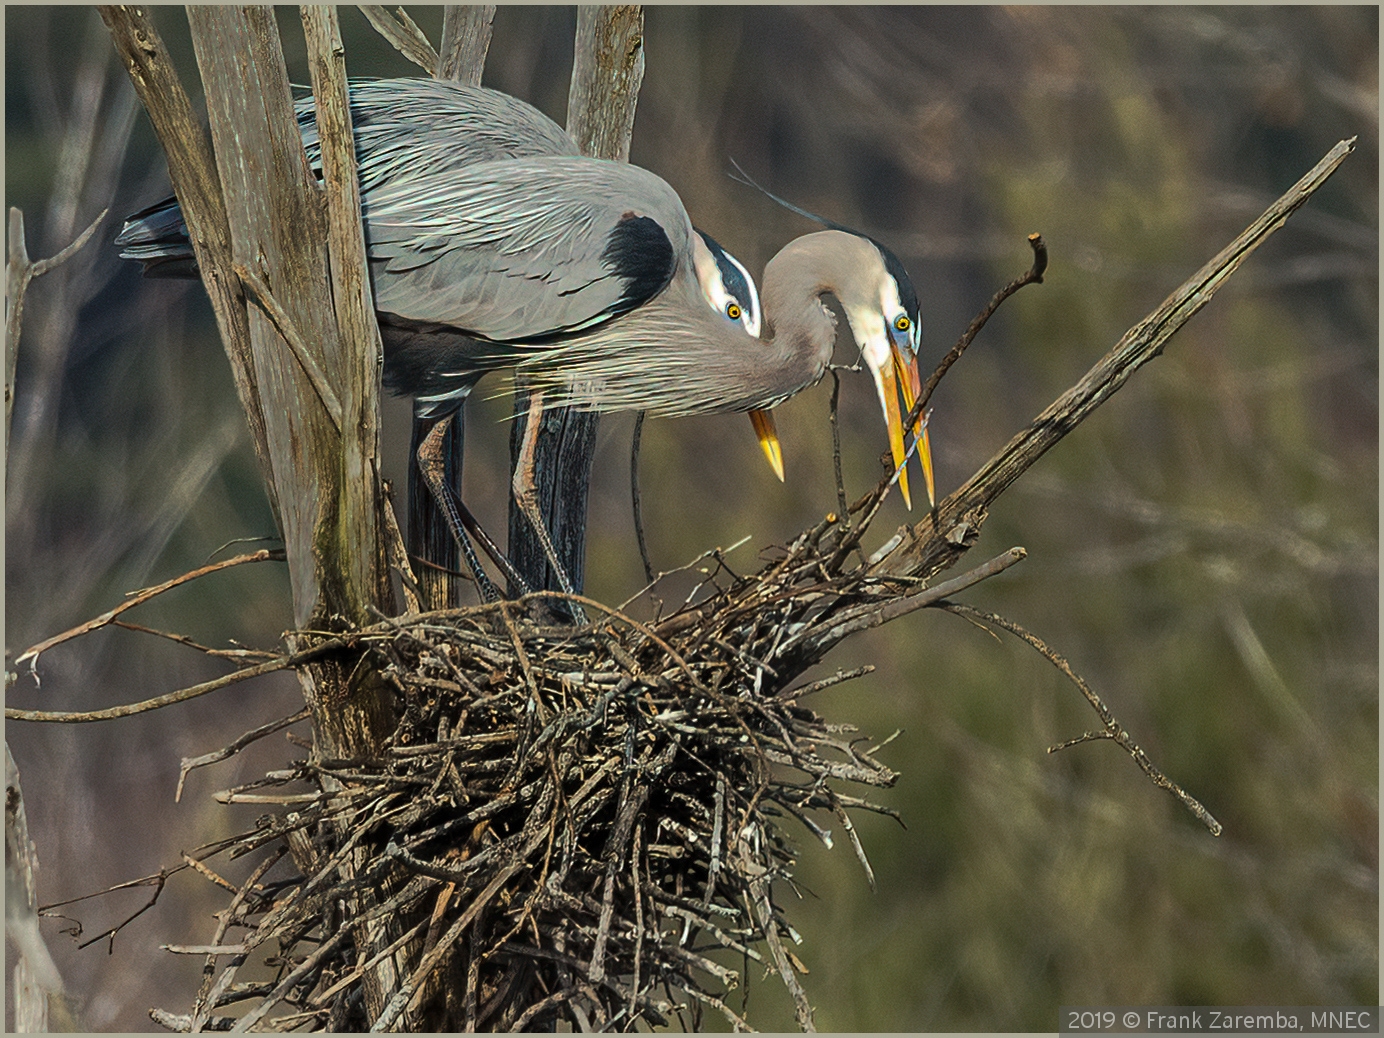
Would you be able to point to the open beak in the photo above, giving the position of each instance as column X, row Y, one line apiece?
column 910, row 381
column 763, row 422
column 889, row 383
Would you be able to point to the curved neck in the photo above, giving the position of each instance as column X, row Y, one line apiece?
column 795, row 280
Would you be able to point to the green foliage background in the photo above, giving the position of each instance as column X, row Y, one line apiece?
column 1204, row 550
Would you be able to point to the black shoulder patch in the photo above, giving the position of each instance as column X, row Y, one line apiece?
column 639, row 253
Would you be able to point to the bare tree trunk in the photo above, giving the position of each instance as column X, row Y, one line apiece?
column 607, row 69
column 283, row 262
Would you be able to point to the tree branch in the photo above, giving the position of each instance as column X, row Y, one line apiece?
column 940, row 539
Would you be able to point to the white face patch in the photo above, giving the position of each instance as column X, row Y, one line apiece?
column 733, row 307
column 891, row 306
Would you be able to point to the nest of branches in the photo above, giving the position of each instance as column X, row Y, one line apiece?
column 583, row 823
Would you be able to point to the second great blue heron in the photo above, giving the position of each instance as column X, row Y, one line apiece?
column 583, row 276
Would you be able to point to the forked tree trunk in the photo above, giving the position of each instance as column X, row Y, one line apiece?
column 283, row 262
column 282, row 258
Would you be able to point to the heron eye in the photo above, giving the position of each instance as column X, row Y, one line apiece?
column 902, row 323
column 733, row 311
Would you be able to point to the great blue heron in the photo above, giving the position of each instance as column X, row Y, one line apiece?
column 583, row 276
column 408, row 133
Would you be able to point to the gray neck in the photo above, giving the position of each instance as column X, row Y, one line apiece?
column 796, row 279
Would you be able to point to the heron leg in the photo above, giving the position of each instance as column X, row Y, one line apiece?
column 432, row 465
column 526, row 496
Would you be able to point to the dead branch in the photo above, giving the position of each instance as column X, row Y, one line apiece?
column 216, row 756
column 182, row 695
column 32, row 654
column 401, row 32
column 19, row 271
column 938, row 540
column 1111, row 728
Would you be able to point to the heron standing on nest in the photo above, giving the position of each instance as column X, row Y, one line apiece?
column 492, row 246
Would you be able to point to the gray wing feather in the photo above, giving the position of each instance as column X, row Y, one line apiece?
column 513, row 250
column 408, row 130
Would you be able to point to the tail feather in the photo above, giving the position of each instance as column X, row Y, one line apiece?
column 157, row 237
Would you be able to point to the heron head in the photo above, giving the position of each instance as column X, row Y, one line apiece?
column 725, row 283
column 728, row 288
column 882, row 308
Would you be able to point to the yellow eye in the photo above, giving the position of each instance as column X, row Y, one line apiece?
column 733, row 311
column 902, row 323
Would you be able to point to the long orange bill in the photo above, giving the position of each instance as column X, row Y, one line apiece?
column 906, row 371
column 764, row 428
column 893, row 419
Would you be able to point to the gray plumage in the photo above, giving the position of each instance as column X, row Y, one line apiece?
column 488, row 234
column 525, row 249
column 412, row 130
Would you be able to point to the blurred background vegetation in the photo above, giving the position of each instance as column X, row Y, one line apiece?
column 1204, row 550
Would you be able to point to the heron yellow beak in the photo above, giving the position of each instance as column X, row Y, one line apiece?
column 889, row 384
column 764, row 428
column 909, row 380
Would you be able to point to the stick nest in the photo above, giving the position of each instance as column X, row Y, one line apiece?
column 575, row 824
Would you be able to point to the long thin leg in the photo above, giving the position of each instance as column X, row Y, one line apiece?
column 526, row 495
column 432, row 465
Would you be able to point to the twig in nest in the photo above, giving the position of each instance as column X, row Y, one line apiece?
column 1111, row 730
column 759, row 894
column 817, row 641
column 209, row 990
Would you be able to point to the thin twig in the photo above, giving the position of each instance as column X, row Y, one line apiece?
column 20, row 270
column 182, row 695
column 189, row 763
column 843, row 508
column 1113, row 730
column 32, row 654
column 634, row 497
column 1034, row 276
column 182, row 639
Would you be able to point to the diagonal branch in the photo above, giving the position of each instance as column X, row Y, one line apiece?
column 403, row 34
column 940, row 539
